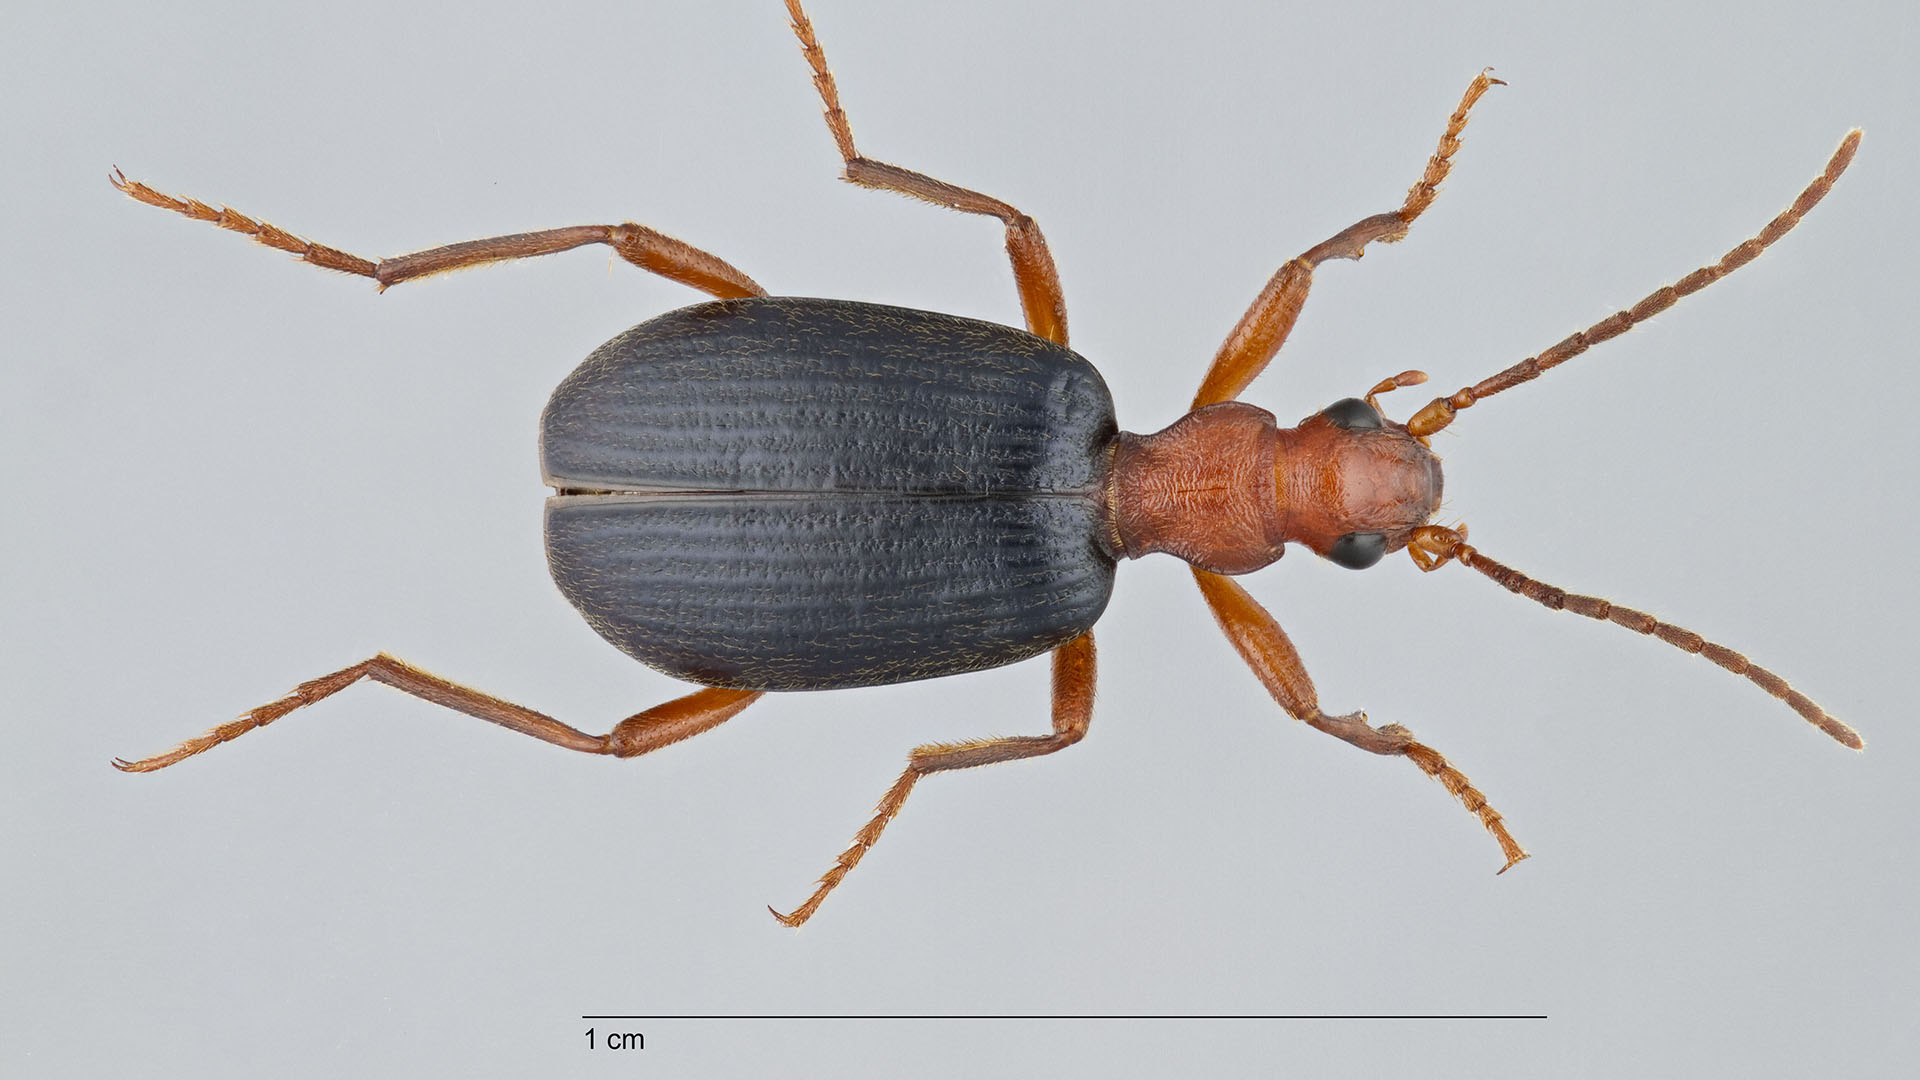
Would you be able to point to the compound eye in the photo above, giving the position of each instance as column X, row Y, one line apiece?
column 1352, row 414
column 1358, row 550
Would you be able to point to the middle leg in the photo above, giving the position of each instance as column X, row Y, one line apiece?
column 1033, row 273
column 1072, row 709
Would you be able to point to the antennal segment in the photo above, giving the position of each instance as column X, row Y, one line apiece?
column 1440, row 412
column 1443, row 545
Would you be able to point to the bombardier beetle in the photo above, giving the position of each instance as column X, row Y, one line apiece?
column 760, row 494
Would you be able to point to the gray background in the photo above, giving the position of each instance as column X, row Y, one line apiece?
column 232, row 473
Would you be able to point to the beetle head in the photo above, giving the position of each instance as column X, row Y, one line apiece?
column 1353, row 485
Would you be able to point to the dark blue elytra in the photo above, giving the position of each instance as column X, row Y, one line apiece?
column 797, row 494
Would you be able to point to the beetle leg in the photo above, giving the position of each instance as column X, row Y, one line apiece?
column 1072, row 708
column 1033, row 271
column 637, row 244
column 1264, row 328
column 659, row 726
column 1264, row 646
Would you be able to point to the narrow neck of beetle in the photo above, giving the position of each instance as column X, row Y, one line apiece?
column 1202, row 489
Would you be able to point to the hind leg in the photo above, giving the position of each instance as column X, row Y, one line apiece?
column 659, row 726
column 639, row 245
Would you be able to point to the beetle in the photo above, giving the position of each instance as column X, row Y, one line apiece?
column 765, row 494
